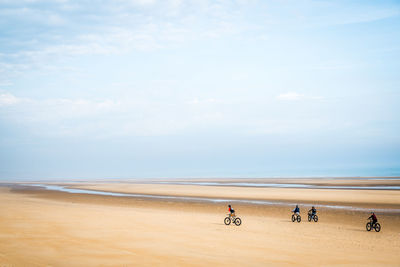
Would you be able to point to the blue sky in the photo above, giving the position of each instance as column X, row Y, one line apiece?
column 242, row 88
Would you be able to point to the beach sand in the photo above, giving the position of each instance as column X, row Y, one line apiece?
column 360, row 198
column 49, row 228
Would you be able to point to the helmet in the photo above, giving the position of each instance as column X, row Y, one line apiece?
column 229, row 205
column 313, row 207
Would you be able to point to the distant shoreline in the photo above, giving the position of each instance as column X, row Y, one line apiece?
column 242, row 194
column 117, row 180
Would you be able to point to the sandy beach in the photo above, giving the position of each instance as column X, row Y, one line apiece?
column 364, row 198
column 49, row 228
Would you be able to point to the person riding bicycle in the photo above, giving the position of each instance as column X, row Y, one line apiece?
column 231, row 211
column 296, row 210
column 312, row 211
column 373, row 218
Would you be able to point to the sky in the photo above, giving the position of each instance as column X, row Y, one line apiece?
column 199, row 88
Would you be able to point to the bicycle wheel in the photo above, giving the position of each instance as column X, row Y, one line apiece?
column 238, row 221
column 368, row 226
column 377, row 227
column 227, row 221
column 309, row 218
column 315, row 218
column 298, row 218
column 293, row 218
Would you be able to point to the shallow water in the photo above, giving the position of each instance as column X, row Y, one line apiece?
column 291, row 185
column 201, row 199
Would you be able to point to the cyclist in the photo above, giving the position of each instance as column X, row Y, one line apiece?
column 296, row 210
column 373, row 218
column 312, row 211
column 232, row 211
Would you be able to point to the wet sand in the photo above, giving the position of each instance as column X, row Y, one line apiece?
column 359, row 198
column 42, row 228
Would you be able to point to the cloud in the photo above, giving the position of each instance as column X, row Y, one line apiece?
column 105, row 118
column 197, row 101
column 363, row 15
column 293, row 96
column 107, row 29
column 5, row 82
column 7, row 99
column 123, row 116
column 63, row 107
column 290, row 96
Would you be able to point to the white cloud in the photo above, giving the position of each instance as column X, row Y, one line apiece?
column 105, row 118
column 366, row 14
column 290, row 96
column 122, row 29
column 293, row 96
column 143, row 2
column 197, row 101
column 63, row 107
column 6, row 83
column 7, row 99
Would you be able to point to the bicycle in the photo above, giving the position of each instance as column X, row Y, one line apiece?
column 371, row 225
column 312, row 217
column 296, row 217
column 232, row 218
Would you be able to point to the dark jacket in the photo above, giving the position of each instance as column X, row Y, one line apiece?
column 373, row 217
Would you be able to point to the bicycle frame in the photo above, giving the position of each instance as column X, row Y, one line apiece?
column 232, row 216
